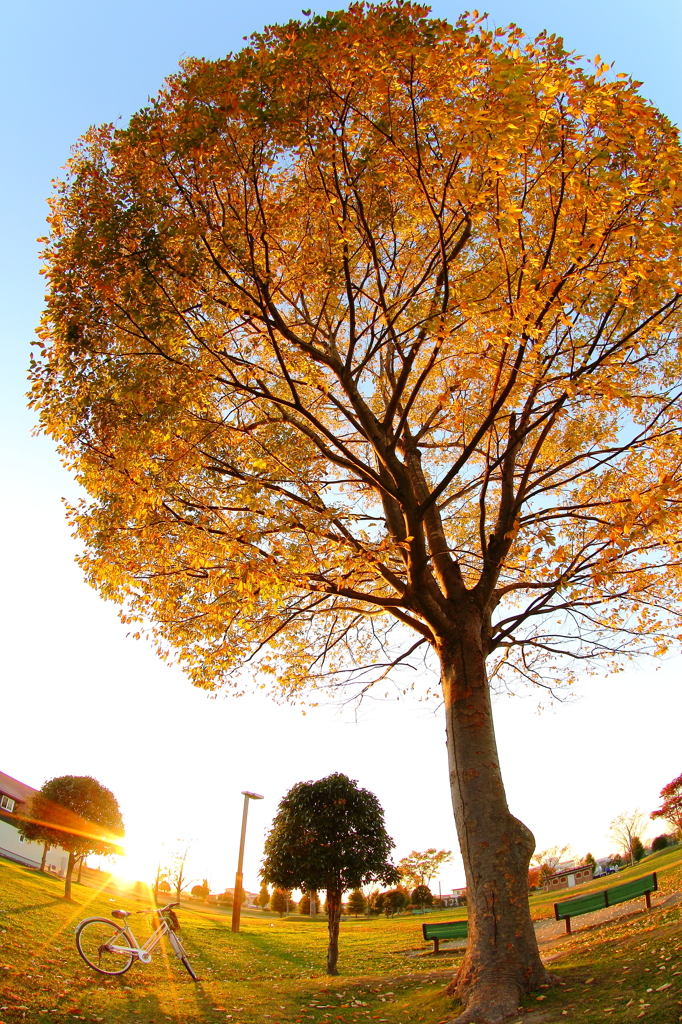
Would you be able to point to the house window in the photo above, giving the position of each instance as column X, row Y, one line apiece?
column 6, row 803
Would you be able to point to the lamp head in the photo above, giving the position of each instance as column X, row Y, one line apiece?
column 252, row 796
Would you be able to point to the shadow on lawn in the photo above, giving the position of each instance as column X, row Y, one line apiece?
column 12, row 911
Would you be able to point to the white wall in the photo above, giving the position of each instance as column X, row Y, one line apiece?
column 12, row 847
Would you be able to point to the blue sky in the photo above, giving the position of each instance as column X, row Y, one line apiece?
column 87, row 700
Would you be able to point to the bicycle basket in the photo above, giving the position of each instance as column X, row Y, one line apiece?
column 172, row 919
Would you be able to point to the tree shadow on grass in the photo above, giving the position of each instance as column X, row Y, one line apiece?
column 12, row 911
column 148, row 998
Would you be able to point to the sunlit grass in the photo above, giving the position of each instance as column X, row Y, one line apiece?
column 272, row 972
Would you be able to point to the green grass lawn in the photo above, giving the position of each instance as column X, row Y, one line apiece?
column 273, row 970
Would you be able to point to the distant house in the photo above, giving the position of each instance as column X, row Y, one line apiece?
column 453, row 899
column 568, row 878
column 15, row 798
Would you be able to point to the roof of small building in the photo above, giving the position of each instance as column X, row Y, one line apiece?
column 18, row 791
column 571, row 871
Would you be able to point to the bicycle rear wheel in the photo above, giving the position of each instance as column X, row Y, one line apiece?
column 104, row 946
column 179, row 951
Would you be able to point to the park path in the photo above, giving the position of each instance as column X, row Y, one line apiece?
column 550, row 931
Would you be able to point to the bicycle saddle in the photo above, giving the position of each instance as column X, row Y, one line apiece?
column 122, row 914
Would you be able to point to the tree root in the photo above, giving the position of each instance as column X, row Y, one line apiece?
column 485, row 1010
column 489, row 1002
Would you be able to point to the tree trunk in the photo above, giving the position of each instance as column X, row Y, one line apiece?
column 333, row 919
column 313, row 903
column 69, row 873
column 502, row 960
column 80, row 869
column 46, row 849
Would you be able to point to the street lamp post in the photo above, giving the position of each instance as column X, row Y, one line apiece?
column 238, row 886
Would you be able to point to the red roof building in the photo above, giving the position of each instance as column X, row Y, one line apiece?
column 15, row 798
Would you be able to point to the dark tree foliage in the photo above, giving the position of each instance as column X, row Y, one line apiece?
column 357, row 902
column 264, row 896
column 422, row 896
column 280, row 901
column 638, row 850
column 659, row 843
column 329, row 834
column 77, row 813
column 395, row 900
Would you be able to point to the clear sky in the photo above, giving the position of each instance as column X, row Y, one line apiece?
column 78, row 696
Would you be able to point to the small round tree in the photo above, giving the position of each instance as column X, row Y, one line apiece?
column 77, row 813
column 422, row 896
column 279, row 901
column 357, row 902
column 394, row 901
column 329, row 834
column 659, row 843
column 263, row 896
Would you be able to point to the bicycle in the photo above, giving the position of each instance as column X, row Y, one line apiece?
column 112, row 948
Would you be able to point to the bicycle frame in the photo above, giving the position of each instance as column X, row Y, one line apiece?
column 142, row 952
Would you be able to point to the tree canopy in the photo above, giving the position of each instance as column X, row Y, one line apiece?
column 77, row 813
column 357, row 902
column 671, row 805
column 328, row 834
column 419, row 868
column 626, row 830
column 280, row 901
column 323, row 321
column 363, row 343
column 421, row 896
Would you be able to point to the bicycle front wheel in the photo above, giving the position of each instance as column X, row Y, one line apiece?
column 104, row 946
column 179, row 951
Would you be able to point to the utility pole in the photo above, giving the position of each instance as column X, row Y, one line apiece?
column 238, row 882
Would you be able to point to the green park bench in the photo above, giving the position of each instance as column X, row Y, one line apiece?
column 592, row 901
column 443, row 930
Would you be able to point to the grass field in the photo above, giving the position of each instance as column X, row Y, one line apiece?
column 273, row 970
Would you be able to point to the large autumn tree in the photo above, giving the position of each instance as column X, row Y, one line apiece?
column 363, row 343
